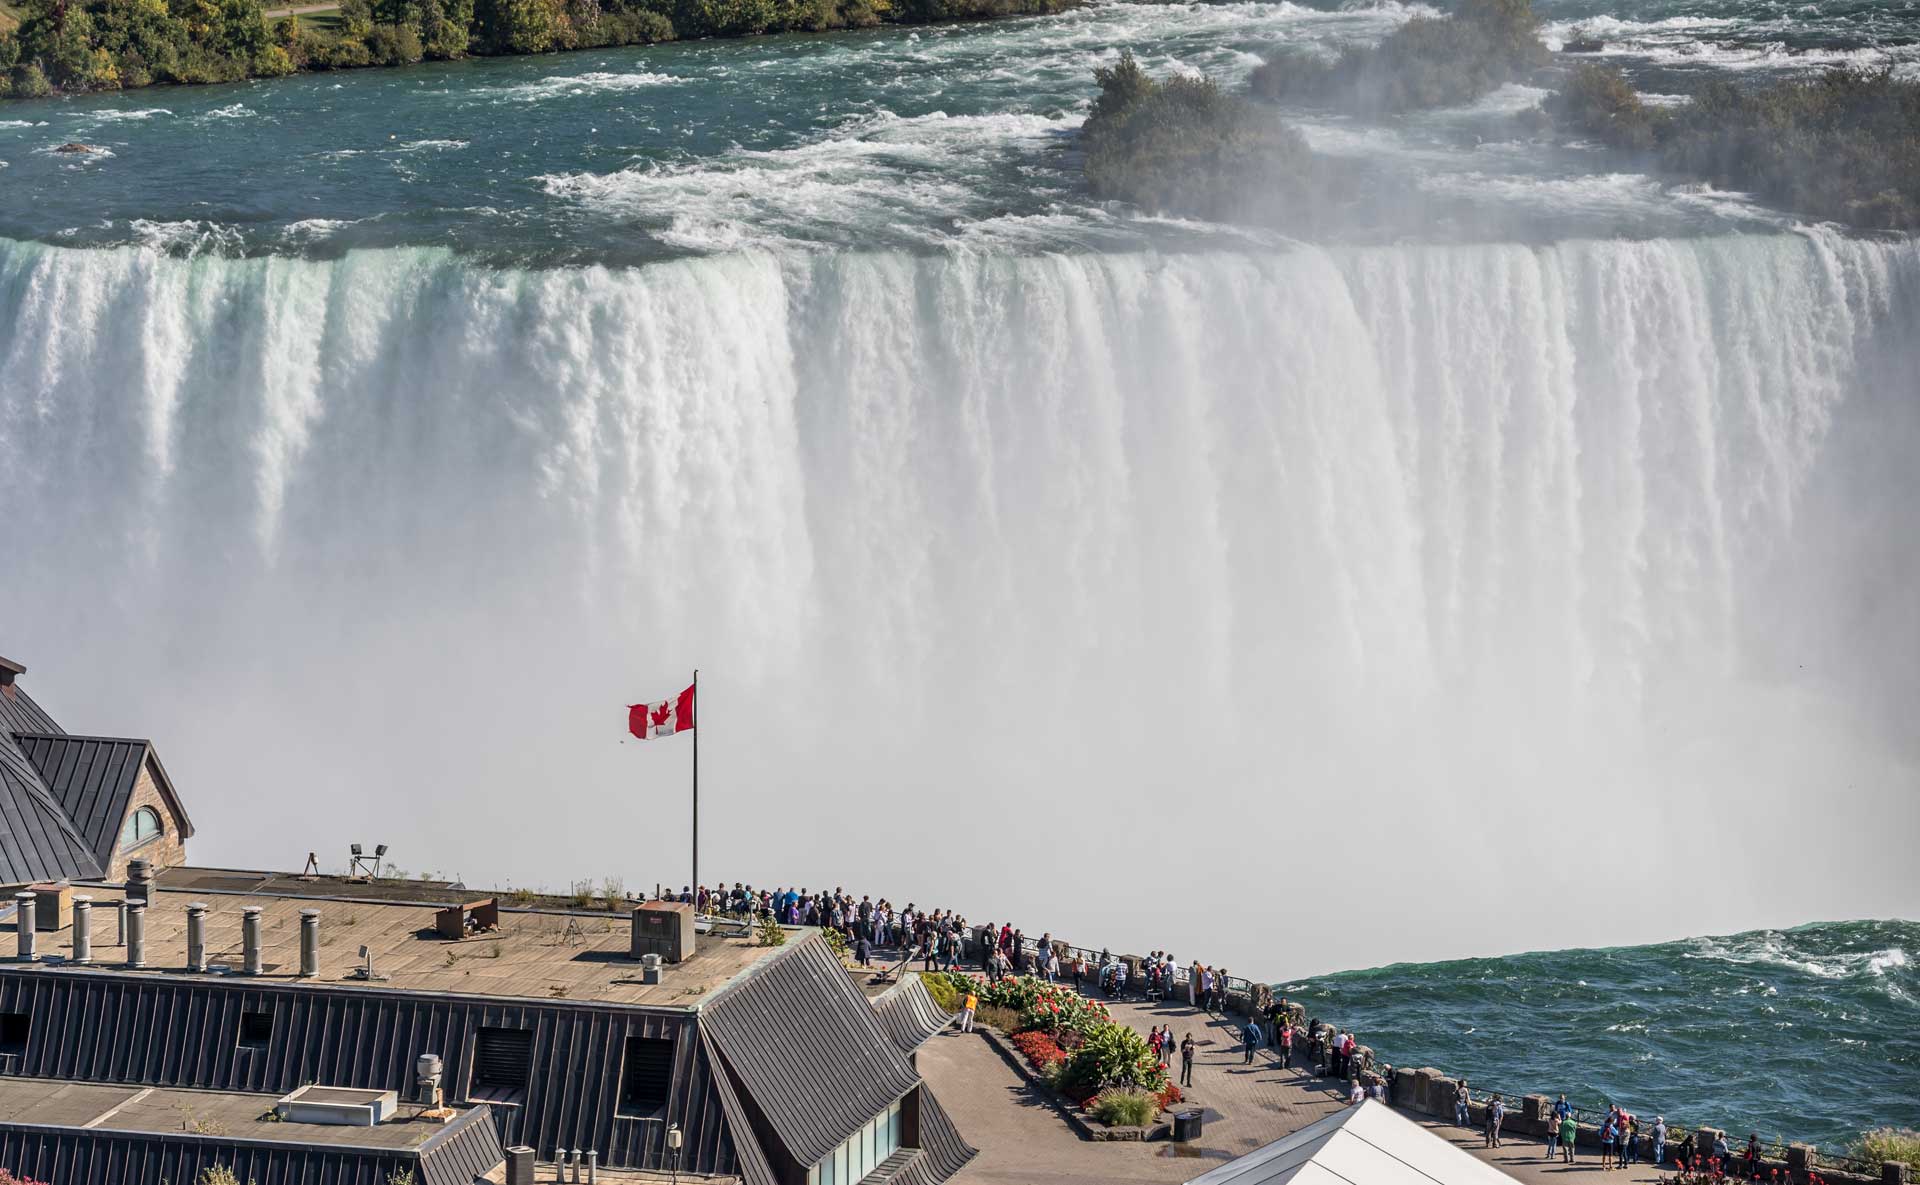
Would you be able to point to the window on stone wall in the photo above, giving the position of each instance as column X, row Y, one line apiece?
column 142, row 825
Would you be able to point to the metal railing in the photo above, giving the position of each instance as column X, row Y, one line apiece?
column 972, row 954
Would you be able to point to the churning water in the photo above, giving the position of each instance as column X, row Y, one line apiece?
column 1530, row 568
column 1803, row 1034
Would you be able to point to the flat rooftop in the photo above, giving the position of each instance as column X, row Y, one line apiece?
column 160, row 1110
column 190, row 878
column 533, row 955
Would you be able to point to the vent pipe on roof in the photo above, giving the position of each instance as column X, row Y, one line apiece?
column 83, row 929
column 140, row 881
column 197, row 936
column 23, row 925
column 136, row 934
column 120, row 921
column 593, row 1166
column 250, row 939
column 309, row 943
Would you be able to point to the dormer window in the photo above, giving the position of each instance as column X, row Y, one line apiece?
column 142, row 825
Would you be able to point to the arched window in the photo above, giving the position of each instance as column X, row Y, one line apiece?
column 142, row 825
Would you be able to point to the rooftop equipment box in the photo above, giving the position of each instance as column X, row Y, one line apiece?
column 663, row 928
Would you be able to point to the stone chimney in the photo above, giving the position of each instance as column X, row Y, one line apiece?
column 9, row 671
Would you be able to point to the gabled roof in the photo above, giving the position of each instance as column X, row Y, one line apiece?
column 806, row 1046
column 1371, row 1144
column 62, row 797
column 37, row 840
column 92, row 778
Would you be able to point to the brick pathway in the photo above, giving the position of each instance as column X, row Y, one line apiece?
column 1023, row 1141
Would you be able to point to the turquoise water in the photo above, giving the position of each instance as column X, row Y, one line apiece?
column 452, row 408
column 892, row 138
column 1811, row 1033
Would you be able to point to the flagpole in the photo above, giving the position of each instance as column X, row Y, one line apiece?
column 696, row 787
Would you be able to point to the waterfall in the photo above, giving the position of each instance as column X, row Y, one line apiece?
column 1004, row 573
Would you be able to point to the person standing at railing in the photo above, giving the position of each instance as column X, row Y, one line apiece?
column 1560, row 1111
column 1659, row 1139
column 1569, row 1132
column 1629, row 1140
column 1609, row 1127
column 1496, row 1112
column 1286, row 1044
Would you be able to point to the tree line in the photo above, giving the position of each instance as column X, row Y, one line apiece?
column 76, row 46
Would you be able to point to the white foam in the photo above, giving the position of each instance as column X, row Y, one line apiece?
column 186, row 237
column 883, row 171
column 594, row 82
column 232, row 111
column 112, row 116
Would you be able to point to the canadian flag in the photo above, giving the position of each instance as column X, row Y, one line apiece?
column 662, row 719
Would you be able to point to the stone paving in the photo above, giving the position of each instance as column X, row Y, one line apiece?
column 1024, row 1141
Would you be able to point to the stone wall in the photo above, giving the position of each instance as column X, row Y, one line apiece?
column 168, row 849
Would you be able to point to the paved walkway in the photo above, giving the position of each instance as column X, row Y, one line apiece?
column 1024, row 1141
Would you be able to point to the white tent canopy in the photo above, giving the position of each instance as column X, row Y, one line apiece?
column 1370, row 1144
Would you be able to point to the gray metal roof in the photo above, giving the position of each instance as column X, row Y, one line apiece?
column 909, row 1015
column 91, row 778
column 277, row 1154
column 63, row 798
column 807, row 1048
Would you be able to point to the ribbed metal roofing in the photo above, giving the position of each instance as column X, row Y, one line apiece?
column 63, row 798
column 807, row 1048
column 91, row 778
column 909, row 1015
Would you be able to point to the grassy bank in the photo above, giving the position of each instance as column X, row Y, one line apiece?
column 1842, row 146
column 64, row 46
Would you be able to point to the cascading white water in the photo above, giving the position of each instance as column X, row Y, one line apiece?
column 1005, row 575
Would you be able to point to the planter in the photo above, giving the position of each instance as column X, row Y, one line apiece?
column 1088, row 1129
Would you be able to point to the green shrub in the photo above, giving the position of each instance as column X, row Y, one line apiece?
column 1111, row 1055
column 1126, row 1107
column 1598, row 101
column 1890, row 1145
column 399, row 45
column 770, row 932
column 1844, row 145
column 942, row 991
column 1184, row 146
column 30, row 82
column 1427, row 62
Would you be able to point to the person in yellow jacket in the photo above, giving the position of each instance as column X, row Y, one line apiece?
column 966, row 1012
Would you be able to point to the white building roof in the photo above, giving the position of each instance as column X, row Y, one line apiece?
column 1370, row 1144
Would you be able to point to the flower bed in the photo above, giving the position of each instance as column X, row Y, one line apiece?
column 1071, row 1045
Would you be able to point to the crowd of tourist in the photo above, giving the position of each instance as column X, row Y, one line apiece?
column 942, row 940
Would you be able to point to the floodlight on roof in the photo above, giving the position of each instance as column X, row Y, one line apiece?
column 356, row 849
column 379, row 851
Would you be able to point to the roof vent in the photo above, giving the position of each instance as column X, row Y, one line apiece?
column 9, row 671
